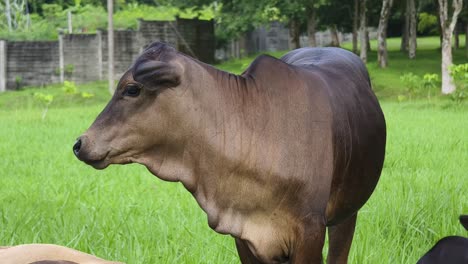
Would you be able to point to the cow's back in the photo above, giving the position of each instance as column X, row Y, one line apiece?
column 358, row 125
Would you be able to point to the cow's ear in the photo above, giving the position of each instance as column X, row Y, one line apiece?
column 464, row 221
column 155, row 75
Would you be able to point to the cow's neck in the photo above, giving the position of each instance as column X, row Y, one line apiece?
column 211, row 163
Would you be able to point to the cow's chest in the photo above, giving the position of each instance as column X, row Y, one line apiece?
column 267, row 235
column 269, row 238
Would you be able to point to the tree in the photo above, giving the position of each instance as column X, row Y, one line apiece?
column 8, row 14
column 240, row 16
column 335, row 15
column 363, row 30
column 456, row 32
column 355, row 25
column 294, row 33
column 464, row 21
column 382, row 54
column 412, row 37
column 294, row 12
column 311, row 24
column 110, row 43
column 16, row 14
column 405, row 30
column 317, row 11
column 335, row 40
column 447, row 26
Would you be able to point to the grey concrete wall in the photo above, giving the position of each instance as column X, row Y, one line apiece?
column 151, row 31
column 32, row 63
column 81, row 53
column 126, row 49
column 83, row 57
column 3, row 61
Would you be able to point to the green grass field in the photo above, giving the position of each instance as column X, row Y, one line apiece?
column 125, row 213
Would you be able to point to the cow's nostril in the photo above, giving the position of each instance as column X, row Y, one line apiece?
column 77, row 147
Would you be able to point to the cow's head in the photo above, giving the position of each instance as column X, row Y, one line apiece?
column 143, row 114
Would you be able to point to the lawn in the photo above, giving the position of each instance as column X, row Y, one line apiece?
column 125, row 213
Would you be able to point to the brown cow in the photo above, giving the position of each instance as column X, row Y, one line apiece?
column 273, row 156
column 47, row 254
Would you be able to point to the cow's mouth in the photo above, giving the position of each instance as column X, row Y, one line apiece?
column 93, row 155
column 111, row 157
column 97, row 162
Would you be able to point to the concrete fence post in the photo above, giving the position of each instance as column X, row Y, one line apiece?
column 61, row 58
column 3, row 65
column 99, row 53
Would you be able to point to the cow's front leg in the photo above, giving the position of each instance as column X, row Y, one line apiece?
column 246, row 256
column 309, row 243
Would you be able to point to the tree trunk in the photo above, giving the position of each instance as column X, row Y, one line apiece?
column 405, row 34
column 448, row 85
column 8, row 14
column 70, row 26
column 369, row 48
column 110, row 44
column 294, row 34
column 440, row 30
column 363, row 31
column 448, row 26
column 335, row 40
column 466, row 39
column 412, row 30
column 382, row 54
column 28, row 16
column 457, row 37
column 311, row 26
column 355, row 26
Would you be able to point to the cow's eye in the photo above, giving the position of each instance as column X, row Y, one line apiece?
column 131, row 90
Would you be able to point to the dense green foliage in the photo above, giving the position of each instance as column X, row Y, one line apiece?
column 428, row 24
column 88, row 18
column 233, row 17
column 124, row 213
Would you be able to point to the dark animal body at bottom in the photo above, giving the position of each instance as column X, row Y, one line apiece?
column 274, row 156
column 449, row 250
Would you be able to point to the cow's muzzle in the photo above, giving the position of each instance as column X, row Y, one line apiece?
column 77, row 147
column 86, row 151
